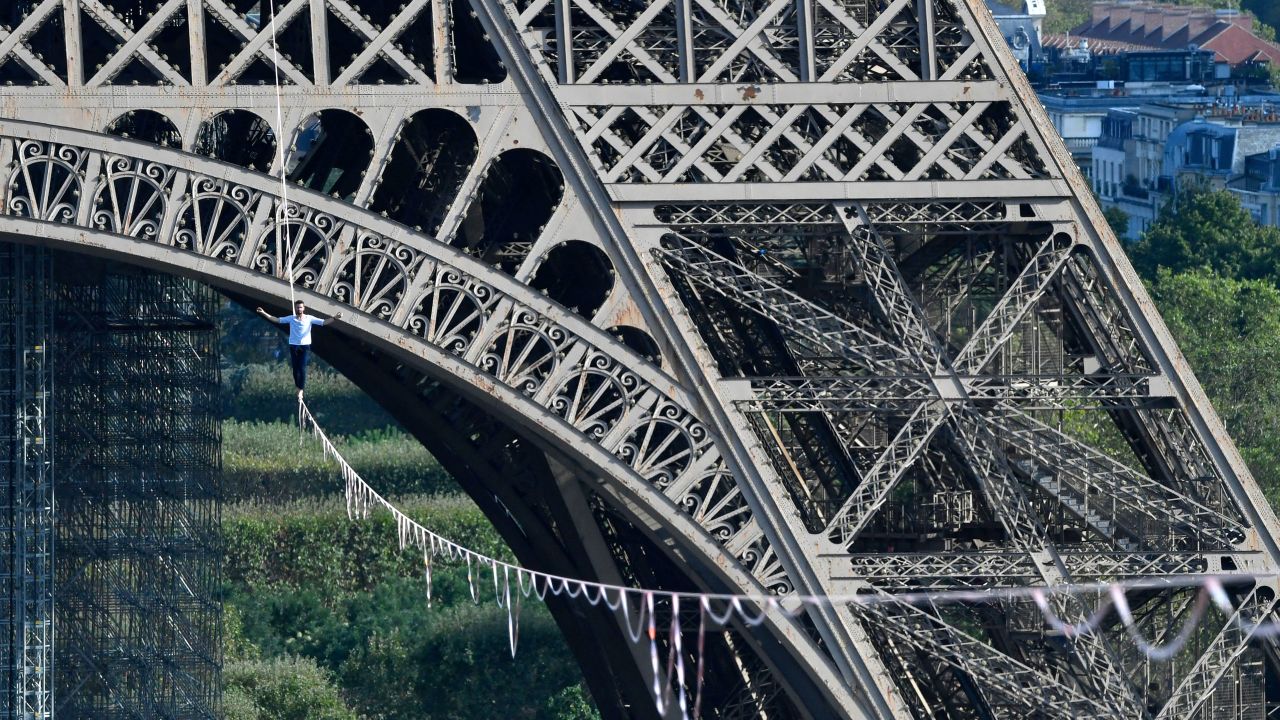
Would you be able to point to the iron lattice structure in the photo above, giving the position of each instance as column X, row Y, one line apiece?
column 781, row 295
column 26, row 484
column 138, row 615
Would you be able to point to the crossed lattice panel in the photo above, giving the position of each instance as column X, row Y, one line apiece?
column 763, row 41
column 779, row 41
column 189, row 29
column 796, row 143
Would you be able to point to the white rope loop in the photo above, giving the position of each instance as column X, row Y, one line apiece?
column 1166, row 652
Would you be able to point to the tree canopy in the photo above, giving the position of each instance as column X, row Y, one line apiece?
column 1267, row 11
column 1229, row 331
column 1209, row 229
column 287, row 688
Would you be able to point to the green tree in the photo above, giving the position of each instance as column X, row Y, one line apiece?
column 1208, row 229
column 1267, row 11
column 572, row 703
column 1118, row 220
column 456, row 664
column 1063, row 15
column 288, row 688
column 235, row 645
column 1229, row 331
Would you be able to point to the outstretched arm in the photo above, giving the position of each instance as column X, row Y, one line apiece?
column 266, row 315
column 332, row 320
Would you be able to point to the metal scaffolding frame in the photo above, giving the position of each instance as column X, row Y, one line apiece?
column 26, row 485
column 138, row 457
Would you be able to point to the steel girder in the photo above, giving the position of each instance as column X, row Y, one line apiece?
column 897, row 347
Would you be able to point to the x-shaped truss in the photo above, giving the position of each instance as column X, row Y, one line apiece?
column 13, row 42
column 723, row 128
column 1075, row 468
column 899, row 311
column 380, row 43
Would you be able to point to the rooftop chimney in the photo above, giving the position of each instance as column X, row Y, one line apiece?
column 1119, row 13
column 1137, row 18
column 1199, row 20
column 1235, row 17
column 1100, row 11
column 1154, row 19
column 1173, row 21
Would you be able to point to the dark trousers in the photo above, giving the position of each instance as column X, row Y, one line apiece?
column 298, row 356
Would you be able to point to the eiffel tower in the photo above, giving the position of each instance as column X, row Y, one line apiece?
column 787, row 296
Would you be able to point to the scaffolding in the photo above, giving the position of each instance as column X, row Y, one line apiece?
column 138, row 458
column 26, row 515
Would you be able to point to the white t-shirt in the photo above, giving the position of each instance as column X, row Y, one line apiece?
column 299, row 329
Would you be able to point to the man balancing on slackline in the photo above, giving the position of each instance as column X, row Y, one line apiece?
column 299, row 338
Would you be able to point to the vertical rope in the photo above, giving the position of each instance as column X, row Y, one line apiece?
column 280, row 155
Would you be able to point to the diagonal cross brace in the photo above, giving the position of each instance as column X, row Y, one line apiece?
column 256, row 43
column 1004, row 678
column 1080, row 469
column 817, row 326
column 381, row 43
column 901, row 313
column 977, row 443
column 11, row 42
column 1023, row 294
column 135, row 43
column 28, row 25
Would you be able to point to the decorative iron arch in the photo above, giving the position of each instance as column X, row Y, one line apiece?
column 620, row 420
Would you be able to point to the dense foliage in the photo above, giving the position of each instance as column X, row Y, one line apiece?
column 1267, row 11
column 285, row 688
column 252, row 393
column 1213, row 274
column 310, row 585
column 1230, row 332
column 1209, row 229
column 260, row 459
